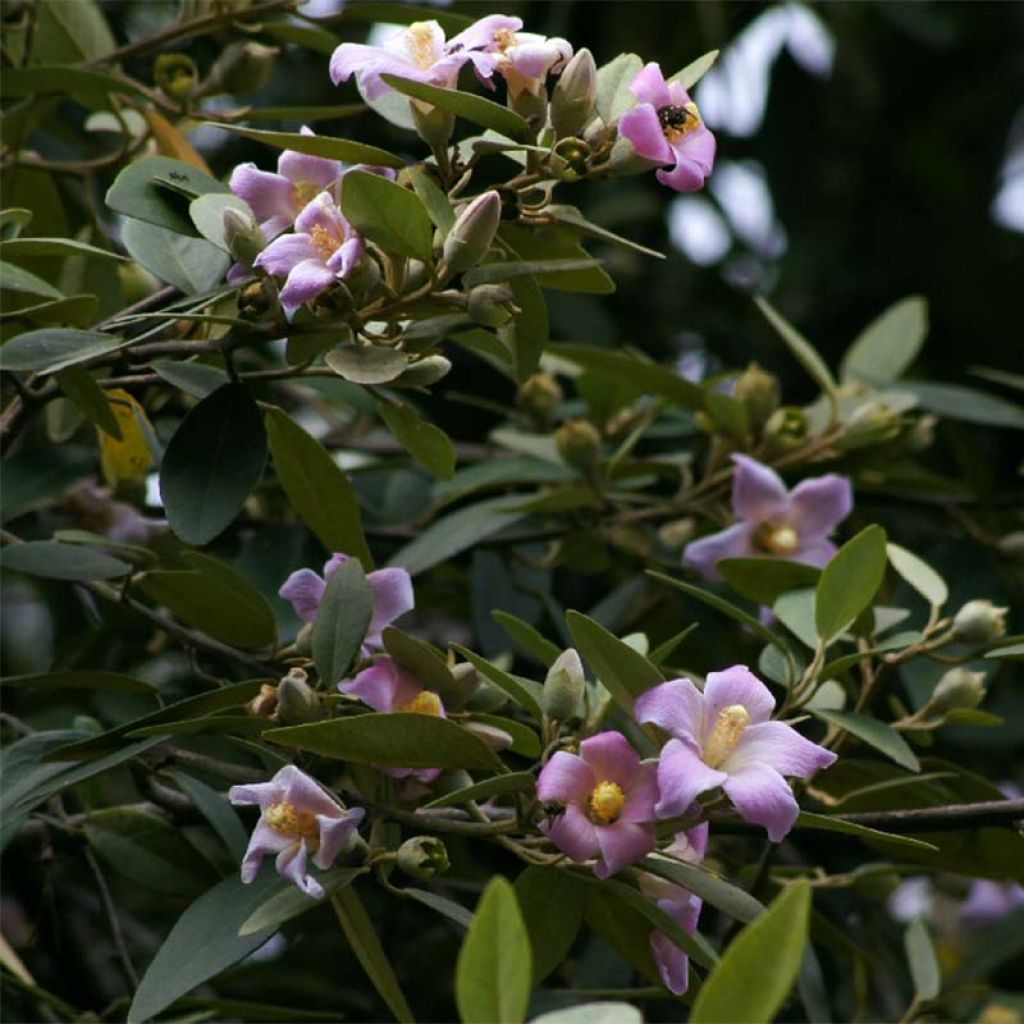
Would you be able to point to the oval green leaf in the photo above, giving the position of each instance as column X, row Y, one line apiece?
column 849, row 582
column 55, row 561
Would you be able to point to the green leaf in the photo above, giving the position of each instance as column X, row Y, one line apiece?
column 398, row 740
column 795, row 610
column 342, row 621
column 89, row 398
column 371, row 364
column 203, row 942
column 825, row 823
column 53, row 349
column 488, row 273
column 924, row 964
column 760, row 966
column 320, row 145
column 87, row 679
column 525, row 740
column 423, row 660
column 527, row 638
column 605, row 1012
column 393, row 217
column 228, row 725
column 968, row 404
column 195, row 379
column 885, row 348
column 192, row 265
column 362, row 937
column 520, row 690
column 207, row 213
column 428, row 445
column 434, row 199
column 13, row 278
column 552, row 903
column 467, row 105
column 614, row 95
column 919, row 574
column 764, row 579
column 318, row 490
column 625, row 672
column 876, row 734
column 513, row 782
column 291, row 902
column 212, row 462
column 803, row 350
column 493, row 976
column 56, row 561
column 728, row 898
column 216, row 599
column 216, row 809
column 695, row 70
column 69, row 33
column 849, row 582
column 14, row 247
column 449, row 908
column 135, row 192
column 449, row 536
column 527, row 335
column 58, row 80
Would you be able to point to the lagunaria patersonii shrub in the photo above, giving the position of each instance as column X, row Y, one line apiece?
column 681, row 801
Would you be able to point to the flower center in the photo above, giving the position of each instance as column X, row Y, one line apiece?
column 426, row 702
column 606, row 803
column 504, row 38
column 305, row 191
column 677, row 122
column 777, row 539
column 726, row 734
column 323, row 241
column 287, row 819
column 421, row 44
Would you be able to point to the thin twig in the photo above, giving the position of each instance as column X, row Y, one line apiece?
column 111, row 913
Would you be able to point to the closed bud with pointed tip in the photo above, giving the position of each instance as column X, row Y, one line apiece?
column 242, row 235
column 579, row 443
column 572, row 102
column 564, row 686
column 493, row 305
column 539, row 396
column 958, row 688
column 979, row 622
column 759, row 391
column 472, row 233
column 423, row 857
column 296, row 701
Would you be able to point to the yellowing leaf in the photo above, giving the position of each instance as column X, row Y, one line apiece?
column 131, row 457
column 172, row 142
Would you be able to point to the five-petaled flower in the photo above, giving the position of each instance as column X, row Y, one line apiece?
column 666, row 128
column 723, row 737
column 392, row 596
column 774, row 522
column 601, row 802
column 297, row 818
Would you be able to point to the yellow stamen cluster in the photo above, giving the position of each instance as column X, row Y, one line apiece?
column 421, row 44
column 777, row 539
column 306, row 191
column 728, row 729
column 504, row 38
column 323, row 241
column 606, row 803
column 290, row 821
column 426, row 702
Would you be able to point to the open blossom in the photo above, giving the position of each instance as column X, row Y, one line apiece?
column 392, row 596
column 723, row 737
column 297, row 818
column 277, row 199
column 666, row 128
column 775, row 522
column 680, row 904
column 324, row 248
column 604, row 801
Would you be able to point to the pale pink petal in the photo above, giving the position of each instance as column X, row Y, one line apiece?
column 321, row 212
column 346, row 257
column 304, row 792
column 622, row 844
column 262, row 794
column 699, row 147
column 780, row 747
column 336, row 560
column 672, row 963
column 305, row 590
column 818, row 553
column 611, row 758
column 377, row 686
column 268, row 195
column 643, row 129
column 736, row 541
column 413, row 45
column 291, row 864
column 565, row 779
column 264, row 840
column 305, row 282
column 573, row 833
column 286, row 252
column 682, row 777
column 677, row 706
column 686, row 176
column 480, row 35
column 763, row 796
column 349, row 58
column 819, row 505
column 642, row 795
column 336, row 835
column 649, row 86
column 305, row 169
column 392, row 597
column 758, row 493
column 736, row 685
column 536, row 59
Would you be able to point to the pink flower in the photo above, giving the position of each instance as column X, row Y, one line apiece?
column 680, row 904
column 605, row 799
column 774, row 522
column 722, row 737
column 989, row 901
column 665, row 127
column 392, row 596
column 325, row 248
column 297, row 818
column 277, row 199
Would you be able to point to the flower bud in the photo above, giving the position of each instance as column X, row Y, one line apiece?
column 467, row 682
column 871, row 423
column 176, row 75
column 675, row 535
column 786, row 430
column 979, row 622
column 471, row 235
column 495, row 738
column 242, row 235
column 958, row 688
column 759, row 391
column 296, row 701
column 579, row 443
column 304, row 640
column 243, row 67
column 539, row 395
column 424, row 372
column 492, row 305
column 564, row 687
column 423, row 857
column 572, row 101
column 434, row 125
column 264, row 704
column 531, row 106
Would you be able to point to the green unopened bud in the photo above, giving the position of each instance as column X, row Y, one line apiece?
column 493, row 305
column 242, row 235
column 176, row 75
column 539, row 396
column 678, row 533
column 264, row 704
column 564, row 687
column 434, row 125
column 572, row 101
column 759, row 391
column 531, row 106
column 579, row 443
column 243, row 67
column 486, row 698
column 958, row 688
column 871, row 423
column 466, row 683
column 304, row 640
column 296, row 701
column 423, row 857
column 424, row 372
column 786, row 430
column 471, row 235
column 979, row 622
